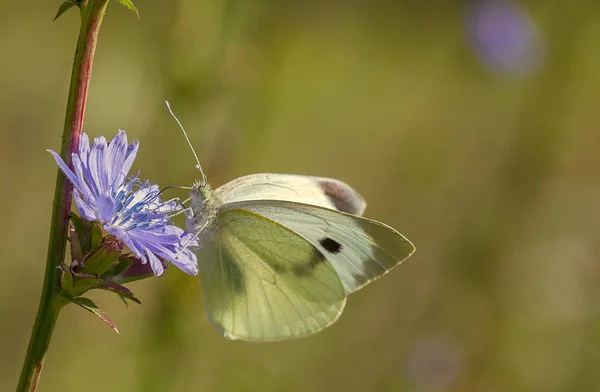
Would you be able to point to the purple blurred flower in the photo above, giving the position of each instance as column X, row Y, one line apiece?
column 129, row 210
column 435, row 363
column 504, row 36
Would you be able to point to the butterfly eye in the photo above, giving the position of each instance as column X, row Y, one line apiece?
column 205, row 192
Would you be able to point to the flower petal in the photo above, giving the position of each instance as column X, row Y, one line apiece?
column 85, row 191
column 97, row 165
column 168, row 244
column 87, row 211
column 106, row 208
column 132, row 151
column 115, row 157
column 84, row 147
column 67, row 171
column 130, row 242
column 186, row 262
column 155, row 263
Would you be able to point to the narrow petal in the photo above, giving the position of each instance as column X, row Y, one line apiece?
column 186, row 262
column 85, row 191
column 106, row 208
column 68, row 172
column 97, row 164
column 115, row 157
column 130, row 242
column 155, row 263
column 171, row 250
column 87, row 211
column 87, row 174
column 149, row 236
column 132, row 151
column 84, row 147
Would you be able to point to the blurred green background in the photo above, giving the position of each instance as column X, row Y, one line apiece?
column 490, row 168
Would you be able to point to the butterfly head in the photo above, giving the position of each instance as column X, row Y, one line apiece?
column 203, row 204
column 201, row 191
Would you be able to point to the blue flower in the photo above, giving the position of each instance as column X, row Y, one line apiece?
column 504, row 36
column 129, row 209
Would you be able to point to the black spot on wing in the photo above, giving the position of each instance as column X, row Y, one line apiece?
column 308, row 268
column 330, row 245
column 342, row 196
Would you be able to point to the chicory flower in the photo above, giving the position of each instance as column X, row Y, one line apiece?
column 129, row 209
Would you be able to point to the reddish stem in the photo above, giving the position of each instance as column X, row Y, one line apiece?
column 50, row 301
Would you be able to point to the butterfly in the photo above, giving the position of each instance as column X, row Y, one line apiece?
column 281, row 252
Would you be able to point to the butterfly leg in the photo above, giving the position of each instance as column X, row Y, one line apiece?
column 181, row 207
column 192, row 239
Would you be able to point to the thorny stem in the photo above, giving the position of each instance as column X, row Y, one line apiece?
column 92, row 12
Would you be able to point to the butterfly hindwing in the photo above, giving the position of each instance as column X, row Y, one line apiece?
column 263, row 282
column 360, row 249
column 321, row 191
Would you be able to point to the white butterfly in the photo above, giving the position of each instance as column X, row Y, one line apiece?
column 280, row 252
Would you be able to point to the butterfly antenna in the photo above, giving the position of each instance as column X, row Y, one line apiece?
column 198, row 166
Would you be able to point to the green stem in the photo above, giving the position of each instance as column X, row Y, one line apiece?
column 50, row 301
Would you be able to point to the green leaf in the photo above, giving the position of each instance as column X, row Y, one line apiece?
column 120, row 290
column 81, row 241
column 129, row 270
column 96, row 240
column 64, row 7
column 124, row 301
column 76, row 284
column 102, row 259
column 81, row 286
column 129, row 4
column 67, row 279
column 123, row 264
column 91, row 307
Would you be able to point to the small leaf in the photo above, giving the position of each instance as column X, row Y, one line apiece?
column 64, row 7
column 82, row 286
column 135, row 271
column 67, row 279
column 129, row 4
column 102, row 259
column 96, row 240
column 83, row 275
column 76, row 253
column 122, row 291
column 123, row 264
column 91, row 307
column 83, row 237
column 124, row 301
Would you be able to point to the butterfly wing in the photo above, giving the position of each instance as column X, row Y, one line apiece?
column 360, row 249
column 320, row 191
column 263, row 282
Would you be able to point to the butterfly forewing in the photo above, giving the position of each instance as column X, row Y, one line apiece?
column 321, row 191
column 360, row 250
column 263, row 282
